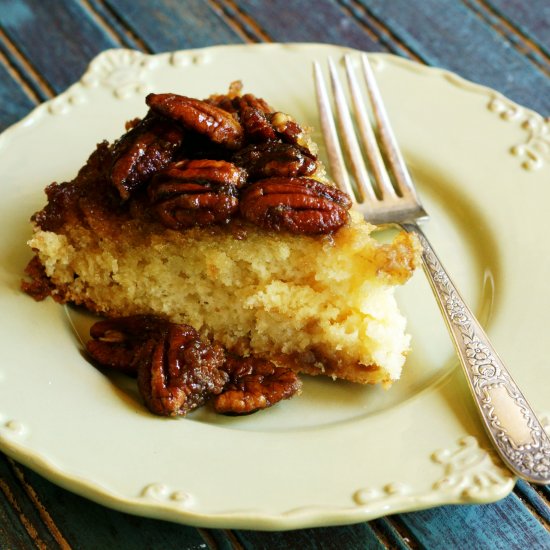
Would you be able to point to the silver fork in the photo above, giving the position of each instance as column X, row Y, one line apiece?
column 513, row 427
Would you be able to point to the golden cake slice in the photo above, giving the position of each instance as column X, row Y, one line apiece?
column 218, row 214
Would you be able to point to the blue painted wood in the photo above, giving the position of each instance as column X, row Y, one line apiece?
column 335, row 538
column 171, row 25
column 109, row 18
column 14, row 102
column 327, row 22
column 391, row 536
column 448, row 34
column 512, row 32
column 532, row 18
column 506, row 525
column 20, row 523
column 534, row 499
column 86, row 525
column 58, row 43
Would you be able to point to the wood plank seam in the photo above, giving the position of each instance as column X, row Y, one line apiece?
column 403, row 531
column 232, row 537
column 98, row 18
column 24, row 72
column 17, row 77
column 525, row 499
column 377, row 527
column 25, row 522
column 123, row 32
column 240, row 21
column 208, row 538
column 531, row 509
column 40, row 508
column 542, row 494
column 377, row 30
column 508, row 30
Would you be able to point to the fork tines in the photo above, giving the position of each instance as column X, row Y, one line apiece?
column 390, row 181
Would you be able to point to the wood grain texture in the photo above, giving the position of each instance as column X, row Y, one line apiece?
column 448, row 34
column 84, row 524
column 327, row 22
column 512, row 33
column 532, row 18
column 20, row 523
column 58, row 43
column 535, row 499
column 336, row 538
column 172, row 25
column 502, row 526
column 14, row 101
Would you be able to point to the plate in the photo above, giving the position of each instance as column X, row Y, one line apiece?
column 339, row 453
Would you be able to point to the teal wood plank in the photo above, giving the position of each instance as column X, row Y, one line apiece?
column 511, row 32
column 389, row 535
column 87, row 525
column 289, row 21
column 333, row 538
column 109, row 18
column 506, row 525
column 14, row 102
column 448, row 34
column 45, row 36
column 532, row 18
column 20, row 524
column 171, row 25
column 536, row 501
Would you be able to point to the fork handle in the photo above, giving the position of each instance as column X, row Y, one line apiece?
column 511, row 423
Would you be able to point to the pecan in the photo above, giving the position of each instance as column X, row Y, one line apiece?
column 286, row 127
column 121, row 344
column 250, row 101
column 182, row 373
column 264, row 160
column 254, row 114
column 176, row 371
column 200, row 116
column 146, row 148
column 254, row 384
column 299, row 205
column 196, row 192
column 256, row 124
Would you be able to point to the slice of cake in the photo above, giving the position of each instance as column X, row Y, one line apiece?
column 217, row 214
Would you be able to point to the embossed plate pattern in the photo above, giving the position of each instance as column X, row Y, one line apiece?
column 339, row 453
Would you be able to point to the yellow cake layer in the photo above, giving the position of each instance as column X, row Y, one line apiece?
column 320, row 304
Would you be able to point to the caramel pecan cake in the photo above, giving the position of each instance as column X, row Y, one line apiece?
column 222, row 257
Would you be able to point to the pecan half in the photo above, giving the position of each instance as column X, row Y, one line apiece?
column 196, row 192
column 254, row 384
column 182, row 373
column 254, row 114
column 200, row 116
column 264, row 160
column 287, row 128
column 299, row 205
column 122, row 344
column 176, row 371
column 146, row 148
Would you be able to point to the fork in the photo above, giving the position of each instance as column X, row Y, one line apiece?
column 391, row 198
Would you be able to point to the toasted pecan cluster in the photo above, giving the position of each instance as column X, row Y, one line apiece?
column 177, row 371
column 199, row 163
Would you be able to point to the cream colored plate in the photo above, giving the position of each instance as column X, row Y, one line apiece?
column 339, row 453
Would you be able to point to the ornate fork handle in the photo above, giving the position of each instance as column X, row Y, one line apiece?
column 509, row 420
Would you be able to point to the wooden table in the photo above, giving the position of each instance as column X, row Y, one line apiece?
column 46, row 45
